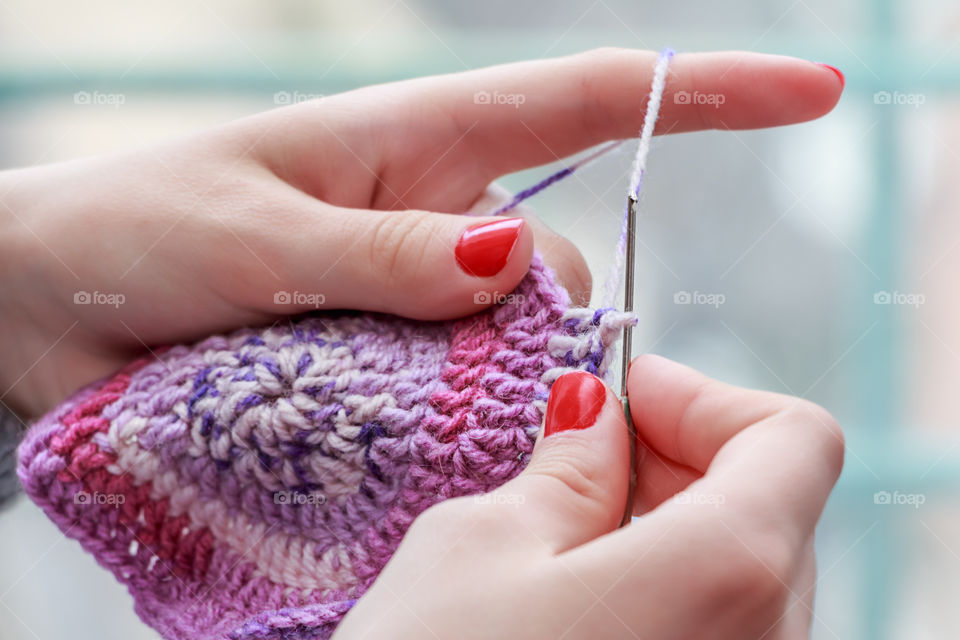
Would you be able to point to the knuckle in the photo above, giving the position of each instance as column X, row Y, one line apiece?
column 445, row 519
column 826, row 429
column 598, row 54
column 707, row 116
column 397, row 244
column 584, row 480
column 471, row 524
column 768, row 570
column 754, row 574
column 595, row 118
column 458, row 518
column 238, row 209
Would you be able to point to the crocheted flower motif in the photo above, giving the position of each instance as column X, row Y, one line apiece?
column 253, row 485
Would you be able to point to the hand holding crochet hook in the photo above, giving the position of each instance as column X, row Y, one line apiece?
column 350, row 198
column 731, row 483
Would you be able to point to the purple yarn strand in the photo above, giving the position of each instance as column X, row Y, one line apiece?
column 565, row 172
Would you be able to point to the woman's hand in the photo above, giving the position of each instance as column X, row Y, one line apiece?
column 338, row 202
column 731, row 486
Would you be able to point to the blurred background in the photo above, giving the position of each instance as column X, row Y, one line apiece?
column 817, row 260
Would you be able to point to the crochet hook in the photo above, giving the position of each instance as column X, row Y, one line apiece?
column 629, row 230
column 631, row 250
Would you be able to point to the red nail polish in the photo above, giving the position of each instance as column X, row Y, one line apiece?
column 843, row 81
column 483, row 250
column 575, row 402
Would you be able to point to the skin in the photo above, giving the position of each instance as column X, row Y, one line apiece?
column 352, row 197
column 342, row 197
column 731, row 486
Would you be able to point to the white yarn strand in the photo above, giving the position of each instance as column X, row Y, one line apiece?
column 649, row 121
column 612, row 284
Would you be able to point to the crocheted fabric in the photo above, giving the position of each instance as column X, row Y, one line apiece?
column 253, row 485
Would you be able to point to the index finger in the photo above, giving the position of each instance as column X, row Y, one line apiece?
column 463, row 130
column 529, row 113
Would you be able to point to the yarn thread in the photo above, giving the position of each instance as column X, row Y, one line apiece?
column 645, row 137
column 553, row 178
column 253, row 485
column 612, row 283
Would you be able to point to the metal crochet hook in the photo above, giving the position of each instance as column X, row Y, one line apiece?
column 657, row 86
column 627, row 350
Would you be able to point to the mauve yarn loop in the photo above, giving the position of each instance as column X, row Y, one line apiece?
column 253, row 485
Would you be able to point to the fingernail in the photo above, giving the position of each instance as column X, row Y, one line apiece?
column 843, row 81
column 483, row 250
column 576, row 399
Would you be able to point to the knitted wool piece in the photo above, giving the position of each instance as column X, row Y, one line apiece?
column 254, row 485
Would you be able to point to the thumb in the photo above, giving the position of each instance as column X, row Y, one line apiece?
column 416, row 264
column 575, row 486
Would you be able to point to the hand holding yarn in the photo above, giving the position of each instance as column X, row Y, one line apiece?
column 343, row 201
column 730, row 489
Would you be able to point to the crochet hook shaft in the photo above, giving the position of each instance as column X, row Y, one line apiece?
column 633, row 195
column 628, row 289
column 631, row 250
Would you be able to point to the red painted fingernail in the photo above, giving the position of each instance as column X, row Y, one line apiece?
column 576, row 399
column 483, row 250
column 843, row 81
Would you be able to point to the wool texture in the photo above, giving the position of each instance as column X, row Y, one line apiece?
column 253, row 485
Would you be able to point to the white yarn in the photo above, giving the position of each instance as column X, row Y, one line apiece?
column 612, row 284
column 649, row 121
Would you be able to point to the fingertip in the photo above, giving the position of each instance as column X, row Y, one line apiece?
column 808, row 90
column 572, row 396
column 576, row 483
column 660, row 392
column 836, row 72
column 522, row 252
column 569, row 267
column 492, row 255
column 747, row 90
column 486, row 259
column 419, row 264
column 484, row 248
column 822, row 84
column 648, row 368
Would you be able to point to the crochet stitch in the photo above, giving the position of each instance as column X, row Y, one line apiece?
column 253, row 485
